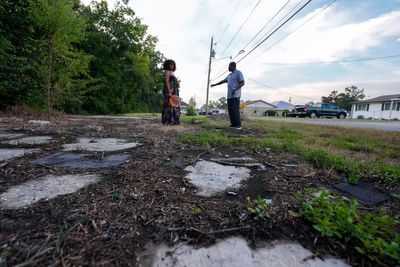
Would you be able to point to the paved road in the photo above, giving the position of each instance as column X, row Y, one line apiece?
column 378, row 125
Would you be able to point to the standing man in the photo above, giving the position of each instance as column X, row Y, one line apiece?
column 235, row 82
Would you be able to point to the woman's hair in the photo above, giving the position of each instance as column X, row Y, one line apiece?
column 167, row 63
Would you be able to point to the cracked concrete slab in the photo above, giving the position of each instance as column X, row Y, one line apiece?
column 212, row 178
column 100, row 144
column 30, row 140
column 234, row 252
column 83, row 161
column 47, row 187
column 7, row 136
column 6, row 153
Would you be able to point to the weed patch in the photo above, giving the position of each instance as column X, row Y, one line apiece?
column 373, row 235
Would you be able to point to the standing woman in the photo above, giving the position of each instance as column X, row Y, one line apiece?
column 170, row 110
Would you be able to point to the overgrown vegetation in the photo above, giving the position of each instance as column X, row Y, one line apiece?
column 60, row 54
column 373, row 235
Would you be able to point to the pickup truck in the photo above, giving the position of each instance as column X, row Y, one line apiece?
column 326, row 110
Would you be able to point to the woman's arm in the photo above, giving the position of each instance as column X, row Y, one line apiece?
column 167, row 74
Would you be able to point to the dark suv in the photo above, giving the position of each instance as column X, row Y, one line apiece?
column 298, row 111
column 326, row 110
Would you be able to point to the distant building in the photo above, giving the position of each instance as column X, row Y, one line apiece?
column 282, row 106
column 184, row 106
column 257, row 108
column 382, row 107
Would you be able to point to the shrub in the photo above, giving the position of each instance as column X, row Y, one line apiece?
column 270, row 113
column 190, row 111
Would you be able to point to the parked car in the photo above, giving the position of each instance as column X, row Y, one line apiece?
column 329, row 110
column 298, row 111
column 203, row 112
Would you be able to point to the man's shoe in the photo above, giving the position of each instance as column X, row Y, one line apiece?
column 235, row 128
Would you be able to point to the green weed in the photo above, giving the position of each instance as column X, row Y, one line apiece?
column 258, row 208
column 373, row 235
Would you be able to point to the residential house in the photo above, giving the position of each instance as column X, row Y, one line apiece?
column 257, row 108
column 382, row 107
column 281, row 106
column 184, row 106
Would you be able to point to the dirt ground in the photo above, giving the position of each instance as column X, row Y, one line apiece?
column 148, row 198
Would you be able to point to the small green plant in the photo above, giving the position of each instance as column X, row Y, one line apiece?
column 197, row 210
column 373, row 235
column 353, row 179
column 258, row 208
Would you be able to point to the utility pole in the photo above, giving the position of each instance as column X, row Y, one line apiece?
column 209, row 70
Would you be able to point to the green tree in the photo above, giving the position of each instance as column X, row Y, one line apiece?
column 344, row 100
column 58, row 28
column 222, row 103
column 126, row 68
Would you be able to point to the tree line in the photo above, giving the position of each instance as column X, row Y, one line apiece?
column 63, row 55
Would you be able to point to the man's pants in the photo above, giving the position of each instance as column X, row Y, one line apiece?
column 233, row 110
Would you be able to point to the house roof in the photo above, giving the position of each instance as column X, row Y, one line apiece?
column 258, row 101
column 383, row 98
column 282, row 105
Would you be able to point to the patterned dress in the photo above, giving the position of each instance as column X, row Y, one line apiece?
column 170, row 114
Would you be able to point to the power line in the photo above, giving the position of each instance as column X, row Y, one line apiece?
column 277, row 23
column 231, row 18
column 334, row 61
column 221, row 72
column 301, row 25
column 265, row 25
column 266, row 38
column 257, row 82
column 241, row 26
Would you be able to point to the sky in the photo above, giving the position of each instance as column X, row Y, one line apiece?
column 324, row 47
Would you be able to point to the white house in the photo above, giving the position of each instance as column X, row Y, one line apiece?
column 281, row 106
column 382, row 107
column 257, row 108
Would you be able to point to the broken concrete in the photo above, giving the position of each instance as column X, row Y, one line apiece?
column 46, row 187
column 8, row 136
column 71, row 160
column 31, row 140
column 39, row 122
column 6, row 154
column 242, row 161
column 100, row 144
column 234, row 252
column 212, row 178
column 364, row 192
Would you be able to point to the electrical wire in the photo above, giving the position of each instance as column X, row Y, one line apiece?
column 301, row 25
column 334, row 61
column 266, row 38
column 241, row 26
column 265, row 25
column 227, row 26
column 279, row 90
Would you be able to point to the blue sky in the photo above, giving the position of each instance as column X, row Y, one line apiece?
column 347, row 30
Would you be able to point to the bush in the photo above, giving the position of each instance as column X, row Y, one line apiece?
column 360, row 117
column 190, row 111
column 270, row 113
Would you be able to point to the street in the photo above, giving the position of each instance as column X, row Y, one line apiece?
column 366, row 124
